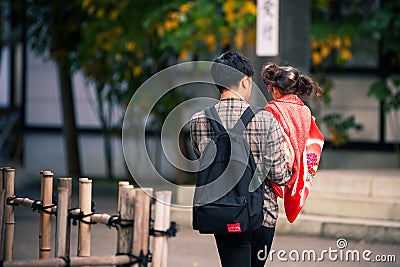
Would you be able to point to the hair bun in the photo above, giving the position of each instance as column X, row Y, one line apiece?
column 270, row 73
column 306, row 86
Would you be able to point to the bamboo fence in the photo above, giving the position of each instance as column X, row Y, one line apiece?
column 133, row 223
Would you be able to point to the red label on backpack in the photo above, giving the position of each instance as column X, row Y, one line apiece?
column 233, row 227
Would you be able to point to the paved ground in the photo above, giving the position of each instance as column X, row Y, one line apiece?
column 190, row 249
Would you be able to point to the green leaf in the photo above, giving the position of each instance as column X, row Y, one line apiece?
column 379, row 90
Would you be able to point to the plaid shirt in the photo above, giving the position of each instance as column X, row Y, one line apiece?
column 266, row 143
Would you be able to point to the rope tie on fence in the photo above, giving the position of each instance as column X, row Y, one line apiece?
column 79, row 216
column 170, row 232
column 10, row 200
column 113, row 221
column 116, row 220
column 142, row 259
column 44, row 209
column 37, row 205
column 67, row 260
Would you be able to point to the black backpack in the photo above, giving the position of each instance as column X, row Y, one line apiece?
column 227, row 199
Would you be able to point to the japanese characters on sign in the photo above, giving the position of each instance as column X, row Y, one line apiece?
column 267, row 39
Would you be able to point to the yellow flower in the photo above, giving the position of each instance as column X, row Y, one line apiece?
column 170, row 25
column 229, row 6
column 160, row 30
column 185, row 7
column 239, row 39
column 85, row 3
column 251, row 36
column 174, row 16
column 91, row 9
column 331, row 40
column 315, row 44
column 249, row 7
column 316, row 58
column 230, row 17
column 137, row 70
column 210, row 41
column 345, row 54
column 118, row 57
column 183, row 54
column 346, row 40
column 225, row 36
column 325, row 51
column 337, row 42
column 100, row 13
column 225, row 40
column 130, row 46
column 114, row 14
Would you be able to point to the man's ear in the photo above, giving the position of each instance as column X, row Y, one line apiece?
column 246, row 82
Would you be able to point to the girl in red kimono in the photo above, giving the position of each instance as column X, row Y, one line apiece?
column 303, row 139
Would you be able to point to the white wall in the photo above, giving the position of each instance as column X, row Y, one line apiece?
column 47, row 151
column 349, row 96
column 43, row 96
column 4, row 77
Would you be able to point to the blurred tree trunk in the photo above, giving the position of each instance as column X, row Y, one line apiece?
column 105, row 121
column 108, row 153
column 69, row 126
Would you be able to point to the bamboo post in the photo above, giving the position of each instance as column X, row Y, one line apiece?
column 61, row 226
column 161, row 223
column 2, row 208
column 166, row 223
column 143, row 198
column 125, row 229
column 64, row 195
column 158, row 226
column 67, row 183
column 121, row 184
column 147, row 199
column 85, row 204
column 120, row 231
column 45, row 219
column 8, row 176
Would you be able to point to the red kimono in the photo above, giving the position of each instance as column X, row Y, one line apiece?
column 304, row 143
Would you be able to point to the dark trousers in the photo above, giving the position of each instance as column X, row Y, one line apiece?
column 249, row 249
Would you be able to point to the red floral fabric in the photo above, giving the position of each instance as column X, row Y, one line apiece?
column 304, row 147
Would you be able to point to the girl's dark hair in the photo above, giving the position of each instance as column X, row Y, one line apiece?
column 288, row 80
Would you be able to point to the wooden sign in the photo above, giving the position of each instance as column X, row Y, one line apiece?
column 267, row 39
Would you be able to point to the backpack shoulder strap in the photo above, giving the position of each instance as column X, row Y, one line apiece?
column 215, row 120
column 246, row 117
